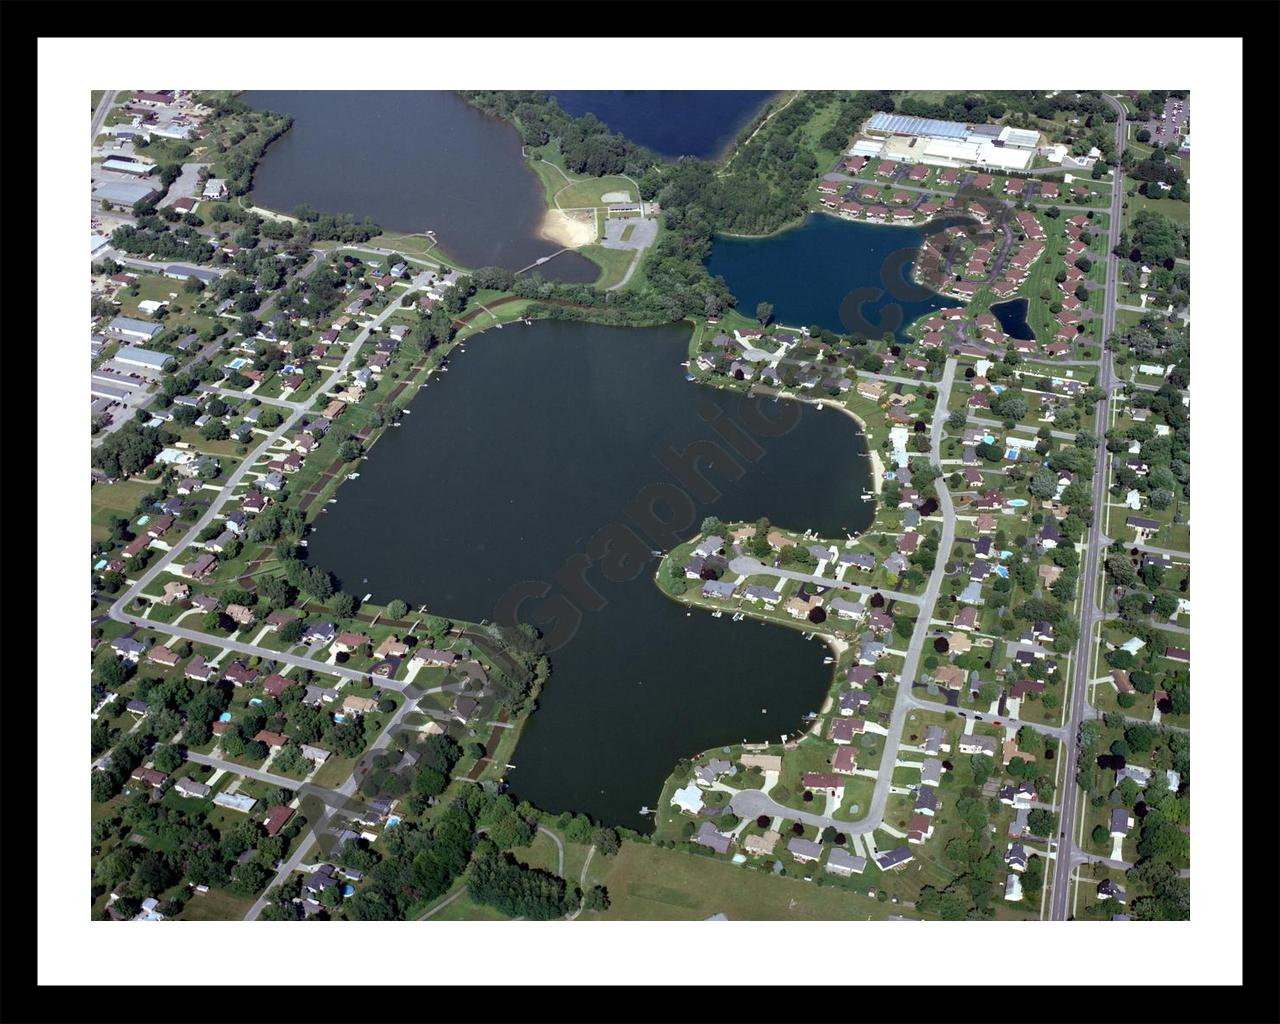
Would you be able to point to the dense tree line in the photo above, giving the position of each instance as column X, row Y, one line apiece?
column 587, row 146
column 496, row 879
column 127, row 451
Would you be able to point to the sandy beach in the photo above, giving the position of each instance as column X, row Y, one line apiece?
column 569, row 230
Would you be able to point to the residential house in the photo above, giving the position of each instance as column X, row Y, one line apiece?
column 709, row 837
column 898, row 857
column 804, row 851
column 191, row 788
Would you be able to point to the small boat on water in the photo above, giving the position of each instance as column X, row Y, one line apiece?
column 828, row 661
column 819, row 405
column 717, row 614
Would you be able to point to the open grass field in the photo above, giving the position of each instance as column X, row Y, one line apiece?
column 592, row 192
column 216, row 905
column 613, row 263
column 646, row 882
column 464, row 908
column 1175, row 209
column 117, row 499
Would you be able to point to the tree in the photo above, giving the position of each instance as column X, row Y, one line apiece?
column 606, row 841
column 1043, row 484
column 396, row 609
column 344, row 604
column 1121, row 569
column 167, row 758
column 597, row 899
column 764, row 313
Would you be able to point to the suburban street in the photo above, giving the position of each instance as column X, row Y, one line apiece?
column 750, row 803
column 343, row 792
column 1078, row 708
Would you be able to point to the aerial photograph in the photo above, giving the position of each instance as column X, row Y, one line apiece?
column 660, row 505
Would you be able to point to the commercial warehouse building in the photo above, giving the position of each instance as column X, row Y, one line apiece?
column 145, row 358
column 122, row 166
column 123, row 193
column 906, row 139
column 132, row 329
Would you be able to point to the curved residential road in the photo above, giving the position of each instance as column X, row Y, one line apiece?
column 745, row 565
column 750, row 803
column 1079, row 708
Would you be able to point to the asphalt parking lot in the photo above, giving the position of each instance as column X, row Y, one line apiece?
column 1177, row 114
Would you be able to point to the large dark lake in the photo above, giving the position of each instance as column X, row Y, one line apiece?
column 534, row 440
column 809, row 273
column 670, row 122
column 412, row 161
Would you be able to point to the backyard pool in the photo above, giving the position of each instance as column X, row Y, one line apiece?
column 225, row 716
column 255, row 700
column 1012, row 455
column 237, row 362
column 1016, row 502
column 143, row 520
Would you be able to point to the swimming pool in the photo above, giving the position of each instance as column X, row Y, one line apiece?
column 99, row 563
column 225, row 716
column 1011, row 454
column 989, row 438
column 255, row 700
column 339, row 717
column 348, row 890
column 237, row 362
column 1006, row 555
column 1002, row 571
column 143, row 520
column 393, row 821
column 1016, row 502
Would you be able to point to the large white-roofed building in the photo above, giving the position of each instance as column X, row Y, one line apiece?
column 905, row 124
column 123, row 193
column 1019, row 138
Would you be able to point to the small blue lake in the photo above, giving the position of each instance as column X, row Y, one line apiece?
column 1013, row 319
column 844, row 276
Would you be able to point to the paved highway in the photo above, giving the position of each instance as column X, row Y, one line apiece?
column 100, row 115
column 1059, row 907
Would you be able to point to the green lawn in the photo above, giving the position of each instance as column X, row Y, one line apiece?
column 591, row 191
column 216, row 905
column 1176, row 210
column 647, row 883
column 613, row 263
